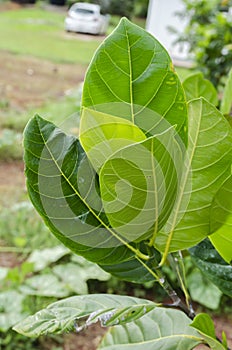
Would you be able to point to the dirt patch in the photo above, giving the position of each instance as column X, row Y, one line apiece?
column 27, row 81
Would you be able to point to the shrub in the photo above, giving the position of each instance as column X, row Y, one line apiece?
column 209, row 36
column 148, row 179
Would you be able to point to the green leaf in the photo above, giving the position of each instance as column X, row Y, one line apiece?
column 197, row 86
column 132, row 72
column 75, row 276
column 61, row 316
column 101, row 135
column 213, row 266
column 160, row 329
column 11, row 309
column 63, row 188
column 46, row 285
column 207, row 165
column 133, row 271
column 221, row 220
column 138, row 192
column 202, row 290
column 204, row 324
column 226, row 103
column 43, row 258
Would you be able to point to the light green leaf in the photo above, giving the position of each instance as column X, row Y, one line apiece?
column 46, row 285
column 221, row 220
column 160, row 329
column 63, row 188
column 75, row 277
column 101, row 135
column 213, row 266
column 43, row 258
column 204, row 324
column 11, row 309
column 62, row 316
column 197, row 86
column 207, row 165
column 226, row 102
column 203, row 291
column 138, row 186
column 132, row 72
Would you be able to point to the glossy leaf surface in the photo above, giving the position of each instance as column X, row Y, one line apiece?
column 130, row 72
column 213, row 266
column 160, row 329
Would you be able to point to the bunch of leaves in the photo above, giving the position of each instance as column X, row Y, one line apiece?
column 209, row 36
column 144, row 182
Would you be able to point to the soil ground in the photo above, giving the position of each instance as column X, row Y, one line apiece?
column 38, row 78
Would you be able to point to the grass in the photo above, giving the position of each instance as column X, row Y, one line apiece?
column 40, row 33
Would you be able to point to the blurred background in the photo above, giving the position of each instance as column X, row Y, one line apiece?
column 42, row 67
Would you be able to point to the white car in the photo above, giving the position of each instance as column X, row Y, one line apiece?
column 86, row 18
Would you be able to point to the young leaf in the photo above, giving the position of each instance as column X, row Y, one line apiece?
column 221, row 221
column 204, row 324
column 130, row 72
column 138, row 186
column 197, row 86
column 61, row 184
column 160, row 329
column 226, row 103
column 102, row 134
column 208, row 162
column 213, row 266
column 62, row 315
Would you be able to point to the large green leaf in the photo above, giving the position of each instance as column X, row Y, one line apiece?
column 226, row 102
column 197, row 86
column 208, row 162
column 221, row 221
column 213, row 266
column 133, row 271
column 138, row 186
column 62, row 315
column 132, row 72
column 160, row 329
column 61, row 184
column 101, row 135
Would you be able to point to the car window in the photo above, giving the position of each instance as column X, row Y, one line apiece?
column 84, row 11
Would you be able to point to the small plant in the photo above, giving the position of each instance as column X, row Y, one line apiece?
column 149, row 180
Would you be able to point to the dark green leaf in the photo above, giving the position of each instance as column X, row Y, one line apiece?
column 61, row 185
column 213, row 266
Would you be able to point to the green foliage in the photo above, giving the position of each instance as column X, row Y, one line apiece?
column 204, row 324
column 10, row 145
column 142, row 183
column 209, row 35
column 40, row 33
column 213, row 266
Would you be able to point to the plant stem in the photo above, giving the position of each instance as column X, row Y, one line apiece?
column 177, row 264
column 162, row 280
column 14, row 250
